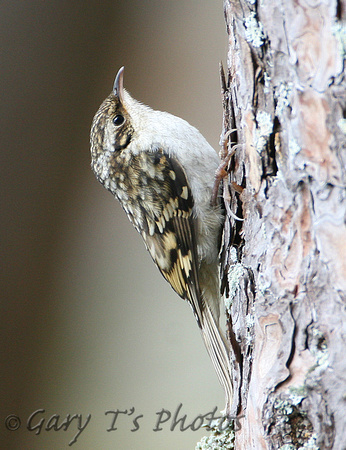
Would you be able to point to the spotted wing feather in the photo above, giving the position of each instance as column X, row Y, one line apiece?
column 169, row 229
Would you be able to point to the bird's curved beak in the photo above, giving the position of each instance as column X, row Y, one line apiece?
column 118, row 88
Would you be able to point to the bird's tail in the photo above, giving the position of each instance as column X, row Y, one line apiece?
column 218, row 350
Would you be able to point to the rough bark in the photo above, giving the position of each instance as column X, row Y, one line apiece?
column 285, row 263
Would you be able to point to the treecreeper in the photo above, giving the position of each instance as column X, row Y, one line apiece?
column 162, row 171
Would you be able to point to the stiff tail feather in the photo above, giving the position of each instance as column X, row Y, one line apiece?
column 219, row 353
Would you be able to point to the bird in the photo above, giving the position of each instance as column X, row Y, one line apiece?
column 162, row 170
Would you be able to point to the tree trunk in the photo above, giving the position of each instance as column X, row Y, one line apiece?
column 285, row 263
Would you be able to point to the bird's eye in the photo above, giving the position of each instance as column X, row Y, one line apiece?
column 118, row 120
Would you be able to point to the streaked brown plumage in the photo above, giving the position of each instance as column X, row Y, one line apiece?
column 161, row 169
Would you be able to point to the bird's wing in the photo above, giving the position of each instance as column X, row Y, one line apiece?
column 169, row 228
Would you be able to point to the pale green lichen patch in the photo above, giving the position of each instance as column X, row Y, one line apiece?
column 265, row 123
column 235, row 273
column 254, row 30
column 288, row 419
column 218, row 440
column 293, row 147
column 267, row 82
column 319, row 348
column 310, row 444
column 282, row 95
column 264, row 129
column 339, row 31
column 342, row 125
column 297, row 394
column 250, row 323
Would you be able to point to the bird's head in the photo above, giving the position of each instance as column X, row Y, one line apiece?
column 112, row 127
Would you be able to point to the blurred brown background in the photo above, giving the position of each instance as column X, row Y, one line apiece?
column 87, row 322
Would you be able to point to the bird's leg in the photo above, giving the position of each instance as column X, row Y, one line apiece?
column 222, row 170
